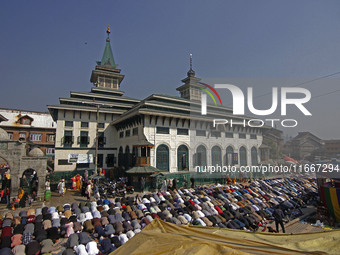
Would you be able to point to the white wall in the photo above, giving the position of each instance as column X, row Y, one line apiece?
column 173, row 141
column 109, row 132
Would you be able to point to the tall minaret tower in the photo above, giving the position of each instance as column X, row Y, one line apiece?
column 106, row 75
column 191, row 89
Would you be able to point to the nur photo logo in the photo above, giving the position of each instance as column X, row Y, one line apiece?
column 238, row 97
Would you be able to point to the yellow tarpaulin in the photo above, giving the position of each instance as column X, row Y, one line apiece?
column 161, row 237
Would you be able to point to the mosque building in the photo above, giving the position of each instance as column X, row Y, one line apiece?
column 158, row 133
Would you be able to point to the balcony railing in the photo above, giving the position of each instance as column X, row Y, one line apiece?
column 143, row 161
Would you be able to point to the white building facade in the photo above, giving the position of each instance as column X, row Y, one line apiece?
column 164, row 132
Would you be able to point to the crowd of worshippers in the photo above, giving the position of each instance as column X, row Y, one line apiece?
column 100, row 227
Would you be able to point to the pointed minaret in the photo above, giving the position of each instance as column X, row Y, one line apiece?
column 191, row 89
column 106, row 74
column 107, row 59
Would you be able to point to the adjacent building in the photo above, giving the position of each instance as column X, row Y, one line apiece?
column 13, row 154
column 36, row 129
column 304, row 146
column 272, row 146
column 161, row 131
column 332, row 148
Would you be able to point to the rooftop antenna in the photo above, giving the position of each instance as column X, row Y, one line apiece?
column 191, row 72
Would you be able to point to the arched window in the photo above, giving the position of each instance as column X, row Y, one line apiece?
column 229, row 155
column 243, row 156
column 254, row 160
column 120, row 156
column 182, row 158
column 216, row 156
column 162, row 157
column 135, row 151
column 201, row 156
column 128, row 158
column 134, row 155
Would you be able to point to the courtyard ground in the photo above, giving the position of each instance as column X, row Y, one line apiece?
column 293, row 226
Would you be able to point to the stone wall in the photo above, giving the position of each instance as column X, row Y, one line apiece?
column 15, row 155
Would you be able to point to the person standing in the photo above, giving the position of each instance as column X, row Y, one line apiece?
column 61, row 187
column 86, row 176
column 74, row 183
column 20, row 193
column 159, row 184
column 83, row 188
column 96, row 192
column 7, row 194
column 278, row 216
column 34, row 186
column 8, row 175
column 170, row 184
column 174, row 184
column 164, row 185
column 47, row 189
column 77, row 181
column 192, row 179
column 88, row 191
column 142, row 184
column 80, row 182
column 4, row 181
column 48, row 184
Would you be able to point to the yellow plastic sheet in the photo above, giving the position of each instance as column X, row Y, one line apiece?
column 161, row 237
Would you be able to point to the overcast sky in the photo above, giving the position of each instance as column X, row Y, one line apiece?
column 49, row 48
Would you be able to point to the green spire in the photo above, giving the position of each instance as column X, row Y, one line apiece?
column 107, row 58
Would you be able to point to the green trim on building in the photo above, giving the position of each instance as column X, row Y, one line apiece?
column 107, row 58
column 142, row 170
column 89, row 149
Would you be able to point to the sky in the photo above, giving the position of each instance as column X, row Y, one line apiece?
column 49, row 48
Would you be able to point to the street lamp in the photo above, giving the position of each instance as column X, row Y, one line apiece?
column 97, row 138
column 97, row 143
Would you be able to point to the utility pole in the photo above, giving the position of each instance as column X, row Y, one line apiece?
column 97, row 142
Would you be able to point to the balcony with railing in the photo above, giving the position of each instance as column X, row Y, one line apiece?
column 143, row 161
column 142, row 154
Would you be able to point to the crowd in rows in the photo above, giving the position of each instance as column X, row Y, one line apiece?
column 99, row 227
